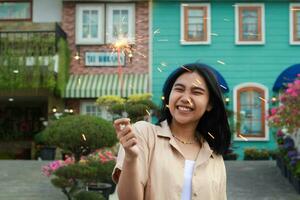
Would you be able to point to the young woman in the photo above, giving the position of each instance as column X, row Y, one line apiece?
column 180, row 158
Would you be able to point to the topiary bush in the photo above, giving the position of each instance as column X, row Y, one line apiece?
column 80, row 134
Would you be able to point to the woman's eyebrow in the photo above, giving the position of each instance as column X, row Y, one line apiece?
column 179, row 85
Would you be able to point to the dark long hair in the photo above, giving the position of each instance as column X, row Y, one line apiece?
column 214, row 121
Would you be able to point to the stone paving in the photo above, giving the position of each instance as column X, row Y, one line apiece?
column 247, row 180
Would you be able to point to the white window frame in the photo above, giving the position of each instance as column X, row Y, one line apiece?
column 131, row 21
column 78, row 25
column 292, row 40
column 235, row 109
column 104, row 113
column 182, row 32
column 237, row 28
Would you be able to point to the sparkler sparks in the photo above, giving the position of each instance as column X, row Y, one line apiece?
column 167, row 105
column 242, row 137
column 159, row 69
column 198, row 81
column 148, row 112
column 223, row 87
column 190, row 102
column 83, row 136
column 214, row 34
column 163, row 98
column 157, row 31
column 221, row 62
column 186, row 68
column 163, row 40
column 211, row 135
column 226, row 20
column 262, row 99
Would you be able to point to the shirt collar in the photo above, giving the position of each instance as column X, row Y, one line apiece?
column 205, row 152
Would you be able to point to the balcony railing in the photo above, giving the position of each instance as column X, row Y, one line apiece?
column 31, row 42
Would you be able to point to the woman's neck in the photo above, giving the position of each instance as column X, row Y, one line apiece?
column 185, row 132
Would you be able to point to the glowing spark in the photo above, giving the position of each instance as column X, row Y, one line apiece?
column 121, row 43
column 163, row 40
column 159, row 69
column 214, row 34
column 190, row 102
column 211, row 135
column 195, row 84
column 221, row 62
column 167, row 105
column 157, row 31
column 163, row 98
column 186, row 68
column 148, row 112
column 226, row 20
column 141, row 54
column 16, row 71
column 198, row 81
column 262, row 99
column 83, row 136
column 242, row 137
column 223, row 87
column 163, row 64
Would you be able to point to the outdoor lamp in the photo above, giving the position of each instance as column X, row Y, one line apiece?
column 274, row 100
column 54, row 109
column 227, row 100
column 77, row 54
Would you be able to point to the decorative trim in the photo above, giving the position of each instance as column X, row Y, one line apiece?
column 235, row 108
column 237, row 25
column 184, row 6
column 293, row 23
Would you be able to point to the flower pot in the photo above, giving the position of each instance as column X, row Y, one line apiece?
column 296, row 183
column 103, row 188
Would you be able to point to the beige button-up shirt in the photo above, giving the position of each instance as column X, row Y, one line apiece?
column 161, row 166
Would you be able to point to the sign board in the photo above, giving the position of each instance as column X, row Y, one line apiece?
column 110, row 59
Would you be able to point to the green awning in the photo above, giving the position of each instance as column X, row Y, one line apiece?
column 96, row 85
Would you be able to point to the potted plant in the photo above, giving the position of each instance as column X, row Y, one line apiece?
column 80, row 135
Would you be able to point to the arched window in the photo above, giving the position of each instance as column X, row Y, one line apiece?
column 251, row 106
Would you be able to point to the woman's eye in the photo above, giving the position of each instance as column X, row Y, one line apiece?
column 178, row 89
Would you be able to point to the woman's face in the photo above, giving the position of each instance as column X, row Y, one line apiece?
column 189, row 99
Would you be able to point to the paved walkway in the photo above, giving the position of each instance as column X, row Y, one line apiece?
column 247, row 180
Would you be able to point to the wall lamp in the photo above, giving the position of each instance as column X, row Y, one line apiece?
column 54, row 109
column 227, row 100
column 274, row 100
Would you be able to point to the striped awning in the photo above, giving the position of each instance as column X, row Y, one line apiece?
column 96, row 85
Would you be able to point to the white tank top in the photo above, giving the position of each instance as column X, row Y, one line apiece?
column 187, row 185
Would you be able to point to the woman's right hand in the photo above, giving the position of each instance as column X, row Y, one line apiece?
column 126, row 137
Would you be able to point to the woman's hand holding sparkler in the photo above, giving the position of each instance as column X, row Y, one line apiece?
column 126, row 137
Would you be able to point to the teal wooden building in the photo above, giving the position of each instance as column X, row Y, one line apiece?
column 254, row 46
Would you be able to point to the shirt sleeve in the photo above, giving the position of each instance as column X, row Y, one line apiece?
column 142, row 131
